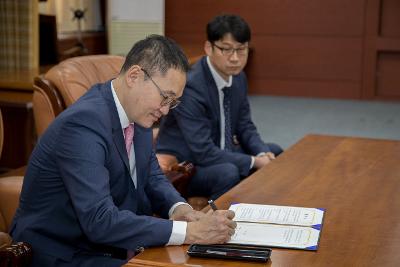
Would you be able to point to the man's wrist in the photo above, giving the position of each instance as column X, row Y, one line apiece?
column 172, row 209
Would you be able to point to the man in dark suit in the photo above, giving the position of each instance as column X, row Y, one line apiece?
column 213, row 127
column 89, row 195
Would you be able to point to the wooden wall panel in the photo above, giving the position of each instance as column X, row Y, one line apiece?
column 299, row 17
column 321, row 67
column 303, row 47
column 388, row 74
column 381, row 68
column 306, row 58
column 305, row 17
column 390, row 18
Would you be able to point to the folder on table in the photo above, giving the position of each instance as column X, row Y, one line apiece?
column 277, row 226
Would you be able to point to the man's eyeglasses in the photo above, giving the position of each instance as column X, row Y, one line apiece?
column 168, row 99
column 240, row 51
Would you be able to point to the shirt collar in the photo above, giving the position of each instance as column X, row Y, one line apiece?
column 220, row 82
column 123, row 118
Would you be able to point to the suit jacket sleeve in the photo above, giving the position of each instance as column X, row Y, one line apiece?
column 192, row 118
column 159, row 190
column 248, row 135
column 82, row 150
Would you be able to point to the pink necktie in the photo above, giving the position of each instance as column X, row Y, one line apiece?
column 128, row 131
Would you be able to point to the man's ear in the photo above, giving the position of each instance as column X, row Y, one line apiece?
column 208, row 48
column 133, row 74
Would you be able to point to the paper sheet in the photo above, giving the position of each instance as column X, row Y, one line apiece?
column 277, row 214
column 277, row 226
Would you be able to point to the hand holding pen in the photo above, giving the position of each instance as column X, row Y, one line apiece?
column 215, row 227
column 212, row 205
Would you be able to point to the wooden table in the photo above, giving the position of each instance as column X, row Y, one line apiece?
column 358, row 182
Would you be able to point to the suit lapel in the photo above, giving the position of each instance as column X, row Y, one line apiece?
column 120, row 144
column 118, row 137
column 235, row 103
column 212, row 91
column 211, row 87
column 141, row 156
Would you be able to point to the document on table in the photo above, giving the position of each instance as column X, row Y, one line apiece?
column 277, row 226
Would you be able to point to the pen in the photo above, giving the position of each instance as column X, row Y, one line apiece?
column 212, row 205
column 223, row 253
column 235, row 254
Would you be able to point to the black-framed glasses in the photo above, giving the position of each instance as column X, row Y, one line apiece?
column 240, row 51
column 168, row 99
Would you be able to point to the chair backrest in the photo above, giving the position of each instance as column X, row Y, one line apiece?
column 1, row 133
column 64, row 83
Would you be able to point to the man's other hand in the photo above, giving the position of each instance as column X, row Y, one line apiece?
column 261, row 161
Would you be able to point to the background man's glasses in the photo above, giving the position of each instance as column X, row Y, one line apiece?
column 240, row 51
column 168, row 99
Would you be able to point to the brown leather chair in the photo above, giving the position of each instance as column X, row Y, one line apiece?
column 64, row 83
column 10, row 189
column 1, row 133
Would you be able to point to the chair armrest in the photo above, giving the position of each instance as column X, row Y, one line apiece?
column 5, row 239
column 179, row 175
column 16, row 255
column 185, row 167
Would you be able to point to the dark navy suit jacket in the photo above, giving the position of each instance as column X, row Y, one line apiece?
column 192, row 130
column 78, row 193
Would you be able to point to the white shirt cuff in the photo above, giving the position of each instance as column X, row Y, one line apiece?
column 252, row 162
column 253, row 159
column 178, row 234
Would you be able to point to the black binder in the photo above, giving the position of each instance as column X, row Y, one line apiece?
column 231, row 251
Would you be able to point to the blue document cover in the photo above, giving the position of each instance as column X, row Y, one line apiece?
column 277, row 226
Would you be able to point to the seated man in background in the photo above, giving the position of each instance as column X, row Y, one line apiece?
column 88, row 196
column 212, row 127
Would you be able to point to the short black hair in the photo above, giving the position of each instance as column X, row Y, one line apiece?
column 156, row 53
column 221, row 25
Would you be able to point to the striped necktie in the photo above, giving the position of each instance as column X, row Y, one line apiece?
column 227, row 113
column 128, row 131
